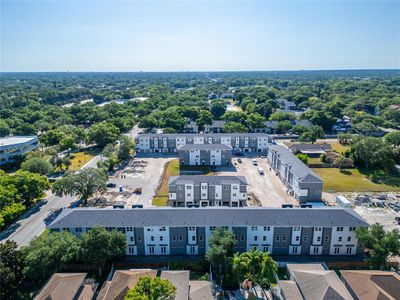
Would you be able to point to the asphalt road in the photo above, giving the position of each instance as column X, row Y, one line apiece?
column 34, row 221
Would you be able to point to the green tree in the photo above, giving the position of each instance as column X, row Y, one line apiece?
column 11, row 266
column 148, row 122
column 149, row 288
column 85, row 184
column 98, row 245
column 370, row 152
column 382, row 244
column 312, row 134
column 126, row 145
column 345, row 138
column 393, row 138
column 52, row 137
column 47, row 253
column 255, row 120
column 282, row 116
column 37, row 165
column 283, row 126
column 205, row 118
column 231, row 127
column 10, row 212
column 30, row 186
column 234, row 116
column 4, row 129
column 103, row 133
column 303, row 157
column 221, row 248
column 67, row 142
column 218, row 108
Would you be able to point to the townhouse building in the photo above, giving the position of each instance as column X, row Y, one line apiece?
column 215, row 127
column 205, row 154
column 186, row 231
column 171, row 142
column 15, row 147
column 202, row 190
column 299, row 179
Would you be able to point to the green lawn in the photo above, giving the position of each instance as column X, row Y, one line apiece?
column 335, row 181
column 172, row 168
column 339, row 148
column 81, row 158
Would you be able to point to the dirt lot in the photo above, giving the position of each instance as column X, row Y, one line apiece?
column 267, row 188
column 144, row 172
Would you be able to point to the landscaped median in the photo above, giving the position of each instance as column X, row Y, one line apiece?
column 172, row 168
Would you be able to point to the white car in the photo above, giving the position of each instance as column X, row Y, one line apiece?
column 255, row 162
column 261, row 171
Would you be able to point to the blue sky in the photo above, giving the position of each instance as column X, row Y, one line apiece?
column 199, row 35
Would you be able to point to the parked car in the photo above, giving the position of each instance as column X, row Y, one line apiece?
column 255, row 162
column 239, row 160
column 111, row 185
column 261, row 171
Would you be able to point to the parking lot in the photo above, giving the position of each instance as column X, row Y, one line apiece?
column 141, row 172
column 267, row 188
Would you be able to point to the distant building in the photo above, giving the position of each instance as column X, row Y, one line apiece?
column 171, row 142
column 204, row 191
column 312, row 150
column 286, row 105
column 312, row 282
column 67, row 286
column 186, row 231
column 191, row 127
column 372, row 284
column 15, row 147
column 216, row 127
column 270, row 126
column 342, row 125
column 299, row 179
column 226, row 96
column 205, row 154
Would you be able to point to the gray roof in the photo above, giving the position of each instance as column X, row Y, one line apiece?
column 306, row 123
column 216, row 123
column 310, row 147
column 298, row 168
column 290, row 290
column 180, row 279
column 205, row 135
column 205, row 147
column 212, row 180
column 16, row 140
column 207, row 216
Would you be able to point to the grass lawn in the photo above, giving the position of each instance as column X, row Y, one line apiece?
column 172, row 168
column 354, row 182
column 81, row 158
column 339, row 148
column 315, row 161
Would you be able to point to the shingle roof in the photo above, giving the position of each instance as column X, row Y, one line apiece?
column 207, row 216
column 212, row 180
column 204, row 135
column 310, row 147
column 298, row 168
column 315, row 283
column 372, row 284
column 205, row 147
column 62, row 286
column 200, row 290
column 180, row 279
column 290, row 290
column 216, row 123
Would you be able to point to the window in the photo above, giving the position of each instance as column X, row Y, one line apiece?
column 265, row 249
column 336, row 251
column 348, row 250
column 179, row 187
column 277, row 238
column 339, row 238
column 132, row 239
column 174, row 238
column 78, row 229
column 317, row 228
column 129, row 228
column 253, row 228
column 255, row 238
column 294, row 250
column 139, row 239
column 163, row 250
column 161, row 238
column 316, row 250
column 152, row 238
column 352, row 229
column 234, row 194
column 225, row 187
column 267, row 228
column 349, row 238
column 296, row 228
column 66, row 229
column 203, row 187
column 318, row 239
column 339, row 228
column 297, row 238
column 305, row 238
column 193, row 238
column 200, row 238
column 181, row 238
column 234, row 187
column 326, row 238
column 131, row 250
column 188, row 194
column 151, row 250
column 192, row 250
column 163, row 229
column 264, row 238
column 189, row 187
column 212, row 228
column 192, row 228
column 203, row 195
column 109, row 228
column 284, row 239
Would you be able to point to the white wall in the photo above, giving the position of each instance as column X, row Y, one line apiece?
column 255, row 238
column 161, row 239
column 344, row 243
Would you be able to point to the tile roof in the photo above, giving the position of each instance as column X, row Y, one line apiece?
column 372, row 284
column 297, row 167
column 207, row 216
column 205, row 147
column 212, row 180
column 290, row 290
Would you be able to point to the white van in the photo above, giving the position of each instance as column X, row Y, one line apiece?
column 261, row 171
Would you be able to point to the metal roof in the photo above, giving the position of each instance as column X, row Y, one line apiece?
column 16, row 140
column 208, row 216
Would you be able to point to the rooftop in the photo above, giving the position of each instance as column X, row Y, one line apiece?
column 180, row 279
column 298, row 168
column 212, row 180
column 311, row 147
column 205, row 147
column 15, row 140
column 203, row 135
column 207, row 216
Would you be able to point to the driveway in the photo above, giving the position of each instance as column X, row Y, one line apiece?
column 267, row 188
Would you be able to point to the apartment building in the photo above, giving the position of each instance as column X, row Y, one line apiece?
column 199, row 190
column 300, row 180
column 215, row 127
column 14, row 147
column 171, row 142
column 191, row 127
column 186, row 231
column 205, row 154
